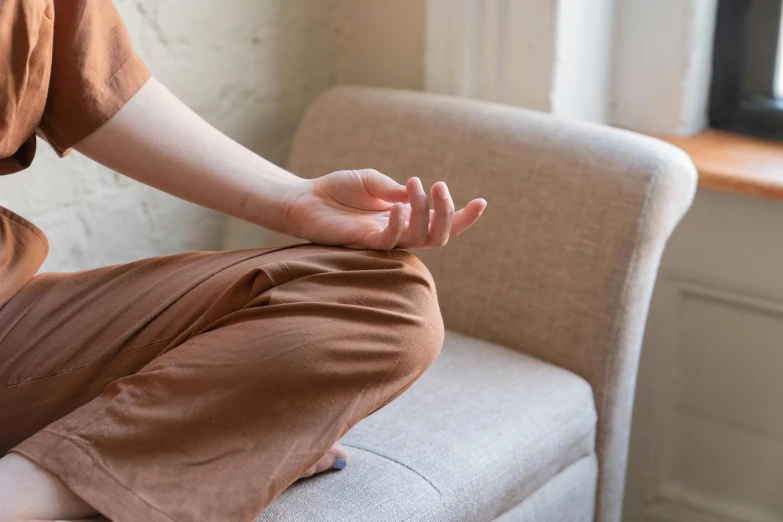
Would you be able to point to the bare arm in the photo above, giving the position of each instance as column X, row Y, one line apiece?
column 157, row 140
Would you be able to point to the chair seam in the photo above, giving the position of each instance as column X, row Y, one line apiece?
column 374, row 452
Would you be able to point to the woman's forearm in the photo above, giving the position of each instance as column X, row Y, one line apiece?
column 159, row 141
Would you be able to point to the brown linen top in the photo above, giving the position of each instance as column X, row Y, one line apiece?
column 70, row 66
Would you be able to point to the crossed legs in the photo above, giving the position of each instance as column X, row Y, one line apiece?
column 200, row 386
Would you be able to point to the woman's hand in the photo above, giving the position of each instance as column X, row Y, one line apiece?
column 366, row 209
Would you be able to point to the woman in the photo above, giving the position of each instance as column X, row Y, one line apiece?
column 195, row 386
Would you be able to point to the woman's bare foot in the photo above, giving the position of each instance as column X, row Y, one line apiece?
column 335, row 458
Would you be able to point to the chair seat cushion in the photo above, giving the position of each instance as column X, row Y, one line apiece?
column 482, row 430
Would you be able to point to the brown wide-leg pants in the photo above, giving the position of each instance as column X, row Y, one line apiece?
column 197, row 387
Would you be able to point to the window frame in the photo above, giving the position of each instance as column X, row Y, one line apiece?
column 742, row 97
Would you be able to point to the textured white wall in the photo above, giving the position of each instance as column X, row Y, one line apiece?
column 663, row 65
column 497, row 51
column 707, row 438
column 250, row 67
column 582, row 69
column 553, row 55
column 640, row 64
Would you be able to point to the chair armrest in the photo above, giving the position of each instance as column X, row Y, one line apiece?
column 563, row 262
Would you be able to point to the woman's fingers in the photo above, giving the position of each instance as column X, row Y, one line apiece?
column 442, row 216
column 396, row 225
column 389, row 237
column 419, row 219
column 382, row 186
column 427, row 228
column 464, row 218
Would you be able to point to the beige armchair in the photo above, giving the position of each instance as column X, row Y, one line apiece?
column 526, row 414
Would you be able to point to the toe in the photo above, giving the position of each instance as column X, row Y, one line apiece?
column 340, row 456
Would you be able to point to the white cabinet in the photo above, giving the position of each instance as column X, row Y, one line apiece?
column 707, row 442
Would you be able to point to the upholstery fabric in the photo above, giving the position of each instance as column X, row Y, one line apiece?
column 568, row 497
column 563, row 262
column 482, row 430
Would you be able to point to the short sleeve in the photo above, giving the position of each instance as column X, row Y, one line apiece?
column 94, row 71
column 26, row 28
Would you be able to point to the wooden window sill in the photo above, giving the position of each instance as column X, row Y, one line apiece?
column 734, row 162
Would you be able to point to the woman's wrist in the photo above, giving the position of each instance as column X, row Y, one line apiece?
column 269, row 202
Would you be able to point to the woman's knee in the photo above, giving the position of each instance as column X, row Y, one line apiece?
column 421, row 337
column 387, row 298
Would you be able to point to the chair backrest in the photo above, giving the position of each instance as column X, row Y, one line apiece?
column 563, row 262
